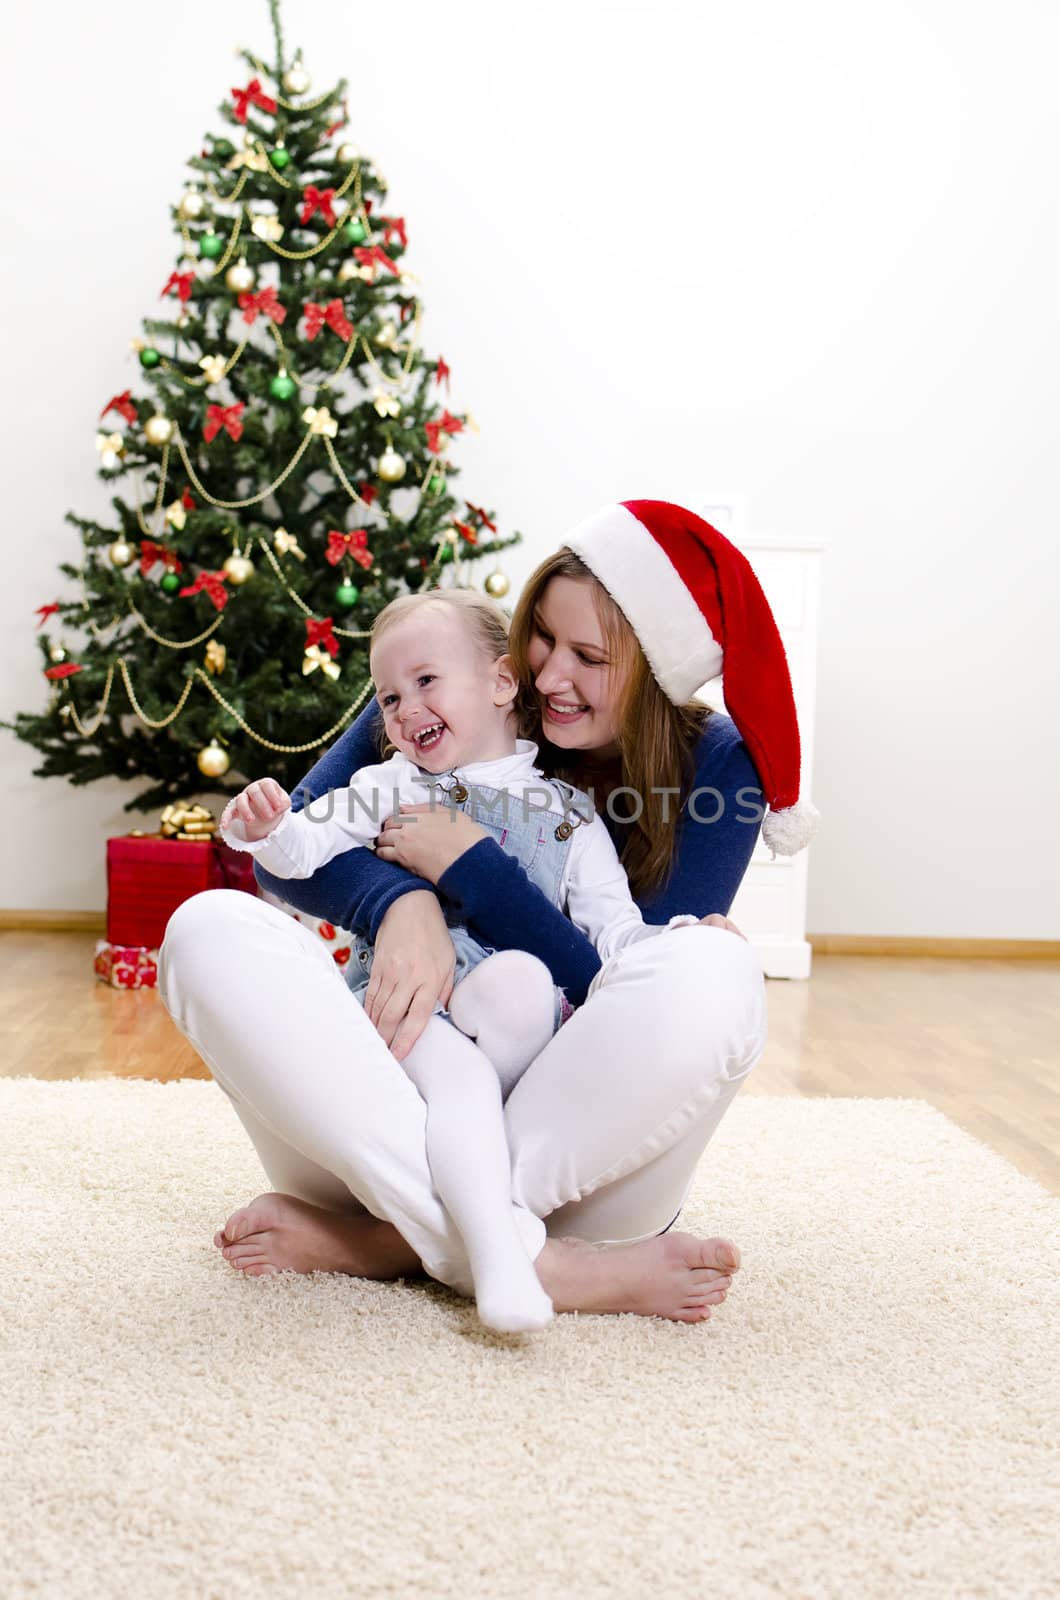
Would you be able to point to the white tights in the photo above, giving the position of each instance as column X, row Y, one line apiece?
column 502, row 1017
column 604, row 1129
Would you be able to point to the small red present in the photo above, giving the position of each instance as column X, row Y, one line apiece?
column 126, row 966
column 339, row 940
column 149, row 876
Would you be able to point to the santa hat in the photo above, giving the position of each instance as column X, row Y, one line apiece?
column 696, row 607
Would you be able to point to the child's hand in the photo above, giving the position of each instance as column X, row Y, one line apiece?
column 257, row 810
column 716, row 920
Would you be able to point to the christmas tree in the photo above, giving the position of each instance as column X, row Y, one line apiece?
column 285, row 476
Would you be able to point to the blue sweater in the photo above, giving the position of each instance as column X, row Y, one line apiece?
column 497, row 901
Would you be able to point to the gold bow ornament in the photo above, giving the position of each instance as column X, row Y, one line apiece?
column 316, row 657
column 320, row 420
column 111, row 447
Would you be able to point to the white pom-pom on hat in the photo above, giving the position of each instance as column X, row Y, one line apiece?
column 697, row 608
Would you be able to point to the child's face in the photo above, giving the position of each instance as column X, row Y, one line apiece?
column 444, row 703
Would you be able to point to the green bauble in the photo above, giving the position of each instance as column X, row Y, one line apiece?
column 354, row 231
column 223, row 148
column 170, row 583
column 149, row 358
column 435, row 483
column 347, row 594
column 211, row 245
column 279, row 157
column 282, row 387
column 445, row 554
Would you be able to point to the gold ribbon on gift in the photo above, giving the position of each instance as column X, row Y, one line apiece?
column 188, row 822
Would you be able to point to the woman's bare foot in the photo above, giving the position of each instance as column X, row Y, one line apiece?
column 675, row 1275
column 277, row 1233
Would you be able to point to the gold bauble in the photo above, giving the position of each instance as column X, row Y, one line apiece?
column 122, row 553
column 212, row 762
column 387, row 335
column 296, row 80
column 158, row 430
column 192, row 206
column 391, row 466
column 238, row 569
column 497, row 585
column 56, row 652
column 240, row 277
column 347, row 153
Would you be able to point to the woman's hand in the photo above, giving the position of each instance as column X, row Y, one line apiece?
column 254, row 813
column 412, row 968
column 427, row 839
column 716, row 920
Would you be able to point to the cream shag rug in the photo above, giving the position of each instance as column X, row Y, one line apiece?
column 873, row 1412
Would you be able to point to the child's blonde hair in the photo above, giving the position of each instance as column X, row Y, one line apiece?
column 484, row 619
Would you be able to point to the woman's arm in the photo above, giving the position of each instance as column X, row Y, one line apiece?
column 356, row 889
column 507, row 911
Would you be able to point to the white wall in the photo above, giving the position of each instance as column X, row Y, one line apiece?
column 808, row 252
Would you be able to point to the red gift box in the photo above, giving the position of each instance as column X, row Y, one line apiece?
column 126, row 966
column 149, row 876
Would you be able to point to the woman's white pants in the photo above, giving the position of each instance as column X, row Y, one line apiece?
column 605, row 1127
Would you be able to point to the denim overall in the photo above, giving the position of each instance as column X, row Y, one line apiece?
column 538, row 839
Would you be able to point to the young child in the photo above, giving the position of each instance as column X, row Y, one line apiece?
column 446, row 690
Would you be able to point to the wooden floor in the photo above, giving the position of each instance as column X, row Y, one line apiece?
column 978, row 1039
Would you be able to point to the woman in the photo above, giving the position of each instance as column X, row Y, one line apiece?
column 607, row 1125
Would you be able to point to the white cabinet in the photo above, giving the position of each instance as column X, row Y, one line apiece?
column 770, row 907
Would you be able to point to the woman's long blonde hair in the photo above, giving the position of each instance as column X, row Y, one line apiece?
column 655, row 737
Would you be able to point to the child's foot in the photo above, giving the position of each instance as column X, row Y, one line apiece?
column 675, row 1275
column 511, row 1300
column 278, row 1233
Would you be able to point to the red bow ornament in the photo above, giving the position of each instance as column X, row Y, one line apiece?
column 122, row 404
column 374, row 255
column 446, row 424
column 354, row 544
column 477, row 511
column 395, row 225
column 267, row 303
column 44, row 612
column 67, row 670
column 214, row 585
column 333, row 314
column 253, row 94
column 320, row 633
column 367, row 492
column 226, row 417
column 441, row 372
column 466, row 531
column 150, row 552
column 318, row 200
column 181, row 282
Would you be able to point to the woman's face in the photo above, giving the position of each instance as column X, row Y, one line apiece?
column 577, row 690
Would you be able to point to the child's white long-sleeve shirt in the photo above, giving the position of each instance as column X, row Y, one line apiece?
column 594, row 890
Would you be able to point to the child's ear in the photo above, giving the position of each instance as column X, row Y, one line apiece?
column 506, row 684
